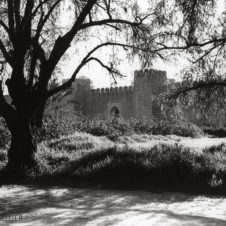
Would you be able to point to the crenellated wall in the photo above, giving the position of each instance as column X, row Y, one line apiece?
column 131, row 101
column 138, row 101
column 99, row 101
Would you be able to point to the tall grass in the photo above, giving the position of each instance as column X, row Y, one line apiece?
column 83, row 157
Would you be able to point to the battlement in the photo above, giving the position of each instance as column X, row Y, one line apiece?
column 116, row 90
column 130, row 101
column 153, row 74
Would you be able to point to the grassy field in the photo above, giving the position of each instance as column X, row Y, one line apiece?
column 134, row 161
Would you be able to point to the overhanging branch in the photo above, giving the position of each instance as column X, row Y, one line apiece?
column 109, row 21
column 197, row 86
column 5, row 53
column 87, row 59
column 6, row 110
column 5, row 27
column 62, row 44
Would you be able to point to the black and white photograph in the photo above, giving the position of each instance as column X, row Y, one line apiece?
column 113, row 112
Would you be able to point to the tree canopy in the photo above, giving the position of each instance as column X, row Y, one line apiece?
column 200, row 36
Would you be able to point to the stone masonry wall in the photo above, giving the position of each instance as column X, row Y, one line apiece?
column 139, row 101
column 136, row 101
column 100, row 101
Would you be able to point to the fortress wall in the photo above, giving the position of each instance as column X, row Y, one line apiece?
column 132, row 101
column 139, row 101
column 98, row 100
column 128, row 105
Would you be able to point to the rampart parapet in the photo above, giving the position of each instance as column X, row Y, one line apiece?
column 151, row 72
column 115, row 90
column 131, row 101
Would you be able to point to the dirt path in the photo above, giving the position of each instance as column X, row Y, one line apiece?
column 71, row 206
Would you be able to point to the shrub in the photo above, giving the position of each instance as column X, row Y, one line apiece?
column 83, row 157
column 4, row 134
column 162, row 165
column 215, row 132
column 110, row 129
column 179, row 128
column 53, row 128
column 215, row 149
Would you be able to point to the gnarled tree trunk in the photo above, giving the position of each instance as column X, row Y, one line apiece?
column 22, row 147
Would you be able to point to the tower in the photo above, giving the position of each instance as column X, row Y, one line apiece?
column 81, row 86
column 148, row 84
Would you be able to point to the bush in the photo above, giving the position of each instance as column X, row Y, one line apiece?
column 87, row 158
column 215, row 132
column 163, row 165
column 216, row 149
column 53, row 129
column 4, row 134
column 110, row 129
column 114, row 129
column 179, row 128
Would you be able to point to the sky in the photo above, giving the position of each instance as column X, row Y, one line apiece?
column 101, row 78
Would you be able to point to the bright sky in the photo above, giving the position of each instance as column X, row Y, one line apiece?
column 100, row 76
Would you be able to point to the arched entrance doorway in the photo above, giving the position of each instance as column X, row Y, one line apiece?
column 114, row 112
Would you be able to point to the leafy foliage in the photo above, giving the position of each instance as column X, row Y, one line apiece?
column 114, row 129
column 4, row 134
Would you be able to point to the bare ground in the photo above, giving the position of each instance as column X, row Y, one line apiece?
column 73, row 206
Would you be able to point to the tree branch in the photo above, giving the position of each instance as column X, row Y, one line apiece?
column 62, row 44
column 195, row 44
column 87, row 59
column 27, row 22
column 206, row 53
column 196, row 86
column 11, row 20
column 109, row 21
column 37, row 53
column 5, row 27
column 111, row 70
column 17, row 14
column 5, row 53
column 6, row 110
column 43, row 21
column 38, row 7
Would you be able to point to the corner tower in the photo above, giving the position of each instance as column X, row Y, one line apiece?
column 81, row 87
column 148, row 84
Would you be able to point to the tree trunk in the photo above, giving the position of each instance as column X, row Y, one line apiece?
column 22, row 148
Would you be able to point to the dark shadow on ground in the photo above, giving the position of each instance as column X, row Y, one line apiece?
column 73, row 206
